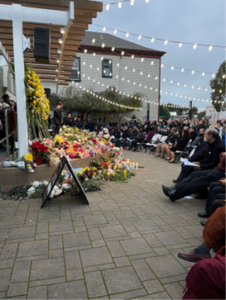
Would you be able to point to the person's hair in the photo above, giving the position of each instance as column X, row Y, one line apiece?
column 68, row 113
column 186, row 134
column 174, row 129
column 219, row 122
column 180, row 131
column 213, row 132
column 59, row 103
column 5, row 97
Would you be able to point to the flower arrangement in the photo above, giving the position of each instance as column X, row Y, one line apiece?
column 29, row 163
column 41, row 152
column 37, row 104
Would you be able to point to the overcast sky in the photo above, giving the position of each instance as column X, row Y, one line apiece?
column 196, row 21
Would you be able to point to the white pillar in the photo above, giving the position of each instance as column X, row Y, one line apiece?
column 19, row 78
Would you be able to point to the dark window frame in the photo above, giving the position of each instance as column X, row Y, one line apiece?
column 79, row 77
column 111, row 68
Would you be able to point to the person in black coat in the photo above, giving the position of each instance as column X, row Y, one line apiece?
column 193, row 133
column 67, row 120
column 57, row 117
column 125, row 136
column 182, row 140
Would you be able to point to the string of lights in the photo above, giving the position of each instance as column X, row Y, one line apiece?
column 143, row 100
column 120, row 105
column 166, row 41
column 141, row 73
column 142, row 59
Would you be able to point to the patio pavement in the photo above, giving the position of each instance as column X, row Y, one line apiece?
column 123, row 245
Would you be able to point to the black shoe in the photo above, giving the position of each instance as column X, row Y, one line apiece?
column 175, row 181
column 169, row 192
column 203, row 223
column 203, row 215
column 200, row 196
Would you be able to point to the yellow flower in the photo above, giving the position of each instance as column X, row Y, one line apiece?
column 59, row 139
column 28, row 157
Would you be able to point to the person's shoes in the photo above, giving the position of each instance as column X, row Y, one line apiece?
column 175, row 181
column 192, row 257
column 203, row 223
column 203, row 215
column 157, row 155
column 200, row 196
column 169, row 192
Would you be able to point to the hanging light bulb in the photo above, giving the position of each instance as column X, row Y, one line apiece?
column 223, row 76
column 152, row 40
column 166, row 42
column 195, row 46
column 164, row 79
column 94, row 54
column 102, row 58
column 147, row 1
column 152, row 63
column 192, row 86
column 180, row 44
column 139, row 37
column 107, row 6
column 210, row 47
column 115, row 31
column 172, row 68
column 213, row 75
column 85, row 51
column 122, row 53
column 192, row 72
column 93, row 41
column 162, row 65
column 220, row 91
column 142, row 59
column 132, row 56
column 103, row 45
column 182, row 70
column 113, row 49
column 60, row 41
column 171, row 81
column 104, row 28
column 119, row 4
column 203, row 73
column 178, row 83
column 149, row 75
column 132, row 2
column 134, row 70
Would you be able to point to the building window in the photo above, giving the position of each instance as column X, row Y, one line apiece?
column 76, row 70
column 107, row 68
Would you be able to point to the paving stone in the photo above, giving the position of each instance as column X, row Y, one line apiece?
column 9, row 250
column 33, row 248
column 55, row 242
column 122, row 261
column 3, row 295
column 98, row 243
column 4, row 279
column 129, row 295
column 41, row 236
column 99, row 268
column 121, row 280
column 156, row 296
column 69, row 290
column 47, row 268
column 95, row 220
column 6, row 263
column 56, row 253
column 172, row 279
column 60, row 227
column 175, row 290
column 152, row 240
column 21, row 271
column 47, row 281
column 42, row 227
column 94, row 234
column 161, row 251
column 17, row 289
column 22, row 232
column 108, row 206
column 113, row 231
column 143, row 270
column 116, row 249
column 125, row 214
column 96, row 256
column 72, row 260
column 76, row 239
column 37, row 293
column 196, row 230
column 74, row 275
column 49, row 215
column 145, row 225
column 170, row 238
column 164, row 266
column 95, row 284
column 136, row 246
column 3, row 233
column 153, row 286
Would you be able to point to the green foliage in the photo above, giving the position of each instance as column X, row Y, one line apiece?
column 180, row 111
column 218, row 85
column 79, row 100
column 166, row 109
column 202, row 114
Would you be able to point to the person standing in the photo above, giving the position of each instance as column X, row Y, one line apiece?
column 57, row 117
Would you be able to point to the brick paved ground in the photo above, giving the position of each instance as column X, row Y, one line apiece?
column 123, row 245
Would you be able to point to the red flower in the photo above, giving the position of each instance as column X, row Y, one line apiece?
column 38, row 160
column 72, row 156
column 81, row 150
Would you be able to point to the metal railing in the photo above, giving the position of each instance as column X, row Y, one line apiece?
column 6, row 141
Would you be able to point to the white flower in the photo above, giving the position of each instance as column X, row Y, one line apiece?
column 45, row 183
column 30, row 191
column 36, row 184
column 86, row 179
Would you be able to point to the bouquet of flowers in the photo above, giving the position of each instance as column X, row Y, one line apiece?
column 41, row 152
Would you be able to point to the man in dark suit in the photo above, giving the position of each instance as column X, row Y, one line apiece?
column 57, row 117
